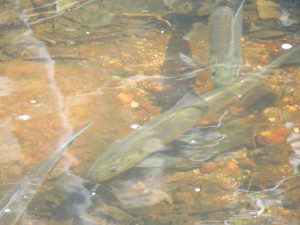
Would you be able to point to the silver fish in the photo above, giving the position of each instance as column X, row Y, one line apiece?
column 155, row 134
column 13, row 205
column 225, row 32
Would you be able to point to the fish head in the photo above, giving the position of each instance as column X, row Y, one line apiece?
column 107, row 167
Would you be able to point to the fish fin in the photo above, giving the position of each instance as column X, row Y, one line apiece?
column 187, row 60
column 188, row 100
column 73, row 137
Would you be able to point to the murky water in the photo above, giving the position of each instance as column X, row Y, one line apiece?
column 65, row 63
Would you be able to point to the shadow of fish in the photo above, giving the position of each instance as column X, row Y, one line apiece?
column 155, row 134
column 203, row 144
column 13, row 205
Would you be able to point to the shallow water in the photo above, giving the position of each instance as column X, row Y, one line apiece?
column 120, row 64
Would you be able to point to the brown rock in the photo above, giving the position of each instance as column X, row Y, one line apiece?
column 274, row 136
column 268, row 9
column 232, row 166
column 209, row 167
column 125, row 98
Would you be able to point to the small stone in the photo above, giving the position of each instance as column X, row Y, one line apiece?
column 209, row 167
column 7, row 210
column 274, row 136
column 124, row 98
column 197, row 189
column 296, row 130
column 232, row 166
column 136, row 126
column 33, row 101
column 272, row 119
column 286, row 46
column 196, row 171
column 268, row 10
column 134, row 104
column 24, row 117
column 292, row 108
column 289, row 125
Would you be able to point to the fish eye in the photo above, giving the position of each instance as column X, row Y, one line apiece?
column 113, row 169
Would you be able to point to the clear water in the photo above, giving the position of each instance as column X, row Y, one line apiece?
column 120, row 64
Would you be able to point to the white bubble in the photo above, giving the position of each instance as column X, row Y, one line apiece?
column 87, row 32
column 24, row 117
column 286, row 46
column 197, row 189
column 93, row 193
column 33, row 101
column 162, row 32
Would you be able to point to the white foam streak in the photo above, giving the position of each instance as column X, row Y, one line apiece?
column 40, row 49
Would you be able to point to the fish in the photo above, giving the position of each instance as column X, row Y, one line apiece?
column 225, row 33
column 167, row 127
column 160, row 131
column 13, row 205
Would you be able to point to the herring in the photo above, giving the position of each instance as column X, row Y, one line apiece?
column 154, row 135
column 225, row 32
column 12, row 206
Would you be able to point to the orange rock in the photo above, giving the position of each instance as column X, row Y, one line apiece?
column 209, row 167
column 274, row 136
column 273, row 47
column 125, row 98
column 232, row 166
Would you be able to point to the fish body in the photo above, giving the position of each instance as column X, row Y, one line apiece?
column 167, row 127
column 202, row 144
column 225, row 32
column 12, row 206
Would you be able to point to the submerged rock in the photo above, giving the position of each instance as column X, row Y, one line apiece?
column 268, row 10
column 266, row 34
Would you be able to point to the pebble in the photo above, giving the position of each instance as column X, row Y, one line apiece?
column 134, row 104
column 286, row 46
column 232, row 165
column 197, row 189
column 274, row 136
column 136, row 126
column 124, row 98
column 209, row 167
column 24, row 117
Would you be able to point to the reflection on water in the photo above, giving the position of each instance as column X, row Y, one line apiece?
column 122, row 64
